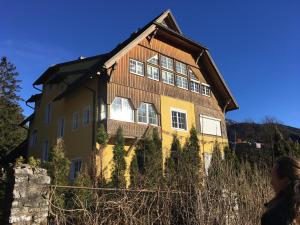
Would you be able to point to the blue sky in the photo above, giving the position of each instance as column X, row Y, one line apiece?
column 256, row 44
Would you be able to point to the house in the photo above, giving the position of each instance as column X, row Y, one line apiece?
column 155, row 78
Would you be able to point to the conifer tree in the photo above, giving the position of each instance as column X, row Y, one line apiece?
column 279, row 144
column 173, row 163
column 58, row 166
column 119, row 167
column 215, row 167
column 11, row 135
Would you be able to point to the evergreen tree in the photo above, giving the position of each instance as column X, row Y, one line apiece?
column 172, row 164
column 191, row 163
column 146, row 167
column 11, row 135
column 215, row 168
column 279, row 144
column 118, row 175
column 58, row 166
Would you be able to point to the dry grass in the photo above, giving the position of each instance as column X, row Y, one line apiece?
column 227, row 197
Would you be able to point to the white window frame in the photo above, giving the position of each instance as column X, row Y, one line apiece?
column 61, row 127
column 86, row 116
column 186, row 119
column 45, row 151
column 196, row 82
column 169, row 63
column 205, row 86
column 182, row 78
column 122, row 106
column 75, row 115
column 72, row 169
column 150, row 76
column 147, row 114
column 180, row 65
column 153, row 57
column 210, row 118
column 168, row 73
column 136, row 62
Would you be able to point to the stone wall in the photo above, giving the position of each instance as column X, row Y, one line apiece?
column 27, row 195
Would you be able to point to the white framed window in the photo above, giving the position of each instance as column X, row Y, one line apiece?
column 147, row 114
column 86, row 115
column 45, row 151
column 179, row 119
column 152, row 72
column 195, row 86
column 136, row 67
column 76, row 165
column 210, row 125
column 61, row 127
column 181, row 68
column 33, row 139
column 75, row 120
column 205, row 89
column 153, row 60
column 166, row 62
column 167, row 77
column 182, row 82
column 192, row 75
column 121, row 110
column 48, row 113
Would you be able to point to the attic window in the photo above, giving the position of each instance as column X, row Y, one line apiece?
column 166, row 62
column 153, row 60
column 136, row 67
column 181, row 68
column 205, row 89
column 192, row 75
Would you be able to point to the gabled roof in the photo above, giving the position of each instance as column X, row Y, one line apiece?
column 165, row 22
column 33, row 98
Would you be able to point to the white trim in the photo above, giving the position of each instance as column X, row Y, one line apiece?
column 205, row 84
column 150, row 65
column 209, row 117
column 186, row 118
column 137, row 61
column 147, row 114
column 120, row 119
column 201, row 117
column 187, row 81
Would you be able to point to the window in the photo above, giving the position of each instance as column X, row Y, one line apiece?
column 86, row 116
column 75, row 168
column 48, row 114
column 153, row 72
column 192, row 75
column 33, row 139
column 153, row 60
column 166, row 62
column 167, row 77
column 136, row 67
column 45, row 151
column 195, row 86
column 205, row 89
column 179, row 120
column 210, row 125
column 181, row 68
column 207, row 161
column 147, row 114
column 75, row 120
column 182, row 82
column 102, row 109
column 61, row 128
column 121, row 110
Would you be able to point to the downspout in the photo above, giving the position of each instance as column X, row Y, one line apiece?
column 29, row 105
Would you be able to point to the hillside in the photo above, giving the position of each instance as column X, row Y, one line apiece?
column 255, row 132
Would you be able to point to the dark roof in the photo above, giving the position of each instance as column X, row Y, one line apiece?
column 33, row 98
column 70, row 67
column 26, row 120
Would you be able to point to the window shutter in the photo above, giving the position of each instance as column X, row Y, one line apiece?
column 210, row 126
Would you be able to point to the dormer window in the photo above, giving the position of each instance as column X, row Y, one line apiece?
column 166, row 62
column 136, row 67
column 181, row 68
column 153, row 60
column 194, row 82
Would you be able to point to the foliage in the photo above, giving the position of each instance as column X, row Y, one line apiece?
column 34, row 162
column 119, row 166
column 58, row 166
column 20, row 161
column 102, row 136
column 146, row 167
column 11, row 135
